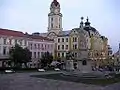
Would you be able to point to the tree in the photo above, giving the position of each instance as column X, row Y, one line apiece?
column 46, row 59
column 26, row 56
column 18, row 55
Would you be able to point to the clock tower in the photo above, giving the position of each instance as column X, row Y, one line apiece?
column 54, row 18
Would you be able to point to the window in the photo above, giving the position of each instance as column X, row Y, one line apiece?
column 75, row 46
column 58, row 54
column 97, row 54
column 84, row 62
column 35, row 46
column 62, row 39
column 42, row 53
column 62, row 46
column 59, row 22
column 45, row 46
column 34, row 54
column 59, row 25
column 75, row 39
column 66, row 46
column 58, row 47
column 66, row 39
column 62, row 54
column 58, row 39
column 51, row 25
column 38, row 46
column 42, row 45
column 4, row 41
column 4, row 50
column 38, row 54
column 51, row 19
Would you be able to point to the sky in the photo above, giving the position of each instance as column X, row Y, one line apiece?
column 32, row 16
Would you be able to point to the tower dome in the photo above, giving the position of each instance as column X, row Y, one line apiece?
column 55, row 3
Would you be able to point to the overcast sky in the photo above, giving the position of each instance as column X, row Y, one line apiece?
column 32, row 16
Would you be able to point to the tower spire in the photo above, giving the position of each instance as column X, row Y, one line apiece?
column 87, row 23
column 87, row 18
column 55, row 2
column 81, row 23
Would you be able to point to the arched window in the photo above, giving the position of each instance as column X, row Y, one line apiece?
column 51, row 19
column 84, row 62
column 51, row 25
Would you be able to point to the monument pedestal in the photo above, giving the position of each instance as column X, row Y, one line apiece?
column 69, row 65
column 84, row 67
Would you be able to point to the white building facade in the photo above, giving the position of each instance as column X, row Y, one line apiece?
column 8, row 38
column 36, row 44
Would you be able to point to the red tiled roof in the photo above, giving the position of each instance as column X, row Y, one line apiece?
column 7, row 32
column 39, row 37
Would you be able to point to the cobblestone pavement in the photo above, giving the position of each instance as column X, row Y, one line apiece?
column 23, row 81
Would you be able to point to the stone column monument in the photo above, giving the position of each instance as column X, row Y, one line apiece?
column 69, row 62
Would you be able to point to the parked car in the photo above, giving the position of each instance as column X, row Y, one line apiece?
column 41, row 70
column 9, row 71
column 57, row 69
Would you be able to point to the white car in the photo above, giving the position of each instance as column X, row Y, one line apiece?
column 41, row 70
column 9, row 71
column 57, row 69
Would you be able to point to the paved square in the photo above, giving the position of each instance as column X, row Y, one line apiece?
column 23, row 81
